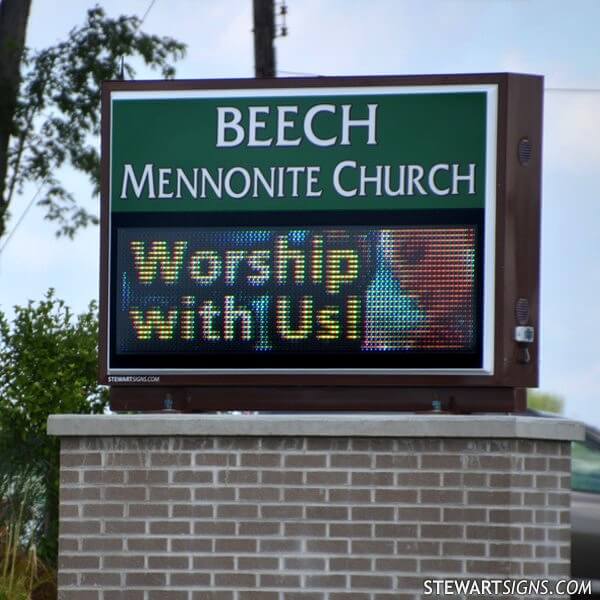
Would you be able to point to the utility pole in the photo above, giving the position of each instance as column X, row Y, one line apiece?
column 264, row 33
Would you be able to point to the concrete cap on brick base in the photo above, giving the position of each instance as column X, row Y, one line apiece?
column 326, row 424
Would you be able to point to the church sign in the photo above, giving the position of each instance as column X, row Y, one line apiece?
column 330, row 230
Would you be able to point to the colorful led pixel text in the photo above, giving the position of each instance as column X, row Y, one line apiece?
column 296, row 290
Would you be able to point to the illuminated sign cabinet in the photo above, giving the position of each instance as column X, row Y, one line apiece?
column 379, row 231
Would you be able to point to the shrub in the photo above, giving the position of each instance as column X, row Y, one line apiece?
column 48, row 362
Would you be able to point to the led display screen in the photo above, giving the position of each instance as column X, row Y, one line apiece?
column 401, row 295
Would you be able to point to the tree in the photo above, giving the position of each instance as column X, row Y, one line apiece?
column 13, row 25
column 48, row 362
column 545, row 402
column 55, row 116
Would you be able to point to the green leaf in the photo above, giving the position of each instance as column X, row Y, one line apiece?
column 58, row 112
column 48, row 361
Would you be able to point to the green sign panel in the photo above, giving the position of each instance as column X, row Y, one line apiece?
column 371, row 149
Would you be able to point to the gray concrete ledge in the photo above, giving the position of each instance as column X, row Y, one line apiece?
column 330, row 425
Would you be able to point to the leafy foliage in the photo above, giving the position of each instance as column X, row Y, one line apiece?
column 48, row 364
column 22, row 575
column 58, row 112
column 545, row 402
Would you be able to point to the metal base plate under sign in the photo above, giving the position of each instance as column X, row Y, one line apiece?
column 457, row 400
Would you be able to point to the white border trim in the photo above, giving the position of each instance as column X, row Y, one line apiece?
column 491, row 91
column 299, row 91
column 489, row 271
column 312, row 371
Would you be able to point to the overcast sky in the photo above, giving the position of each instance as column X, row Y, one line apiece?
column 553, row 38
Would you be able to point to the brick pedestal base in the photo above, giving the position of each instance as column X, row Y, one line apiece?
column 283, row 516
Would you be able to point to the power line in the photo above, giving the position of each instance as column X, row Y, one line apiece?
column 300, row 73
column 122, row 68
column 23, row 214
column 564, row 90
column 574, row 90
column 146, row 13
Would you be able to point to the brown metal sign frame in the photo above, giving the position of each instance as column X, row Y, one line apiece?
column 517, row 257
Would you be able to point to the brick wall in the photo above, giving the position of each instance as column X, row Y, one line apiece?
column 306, row 518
